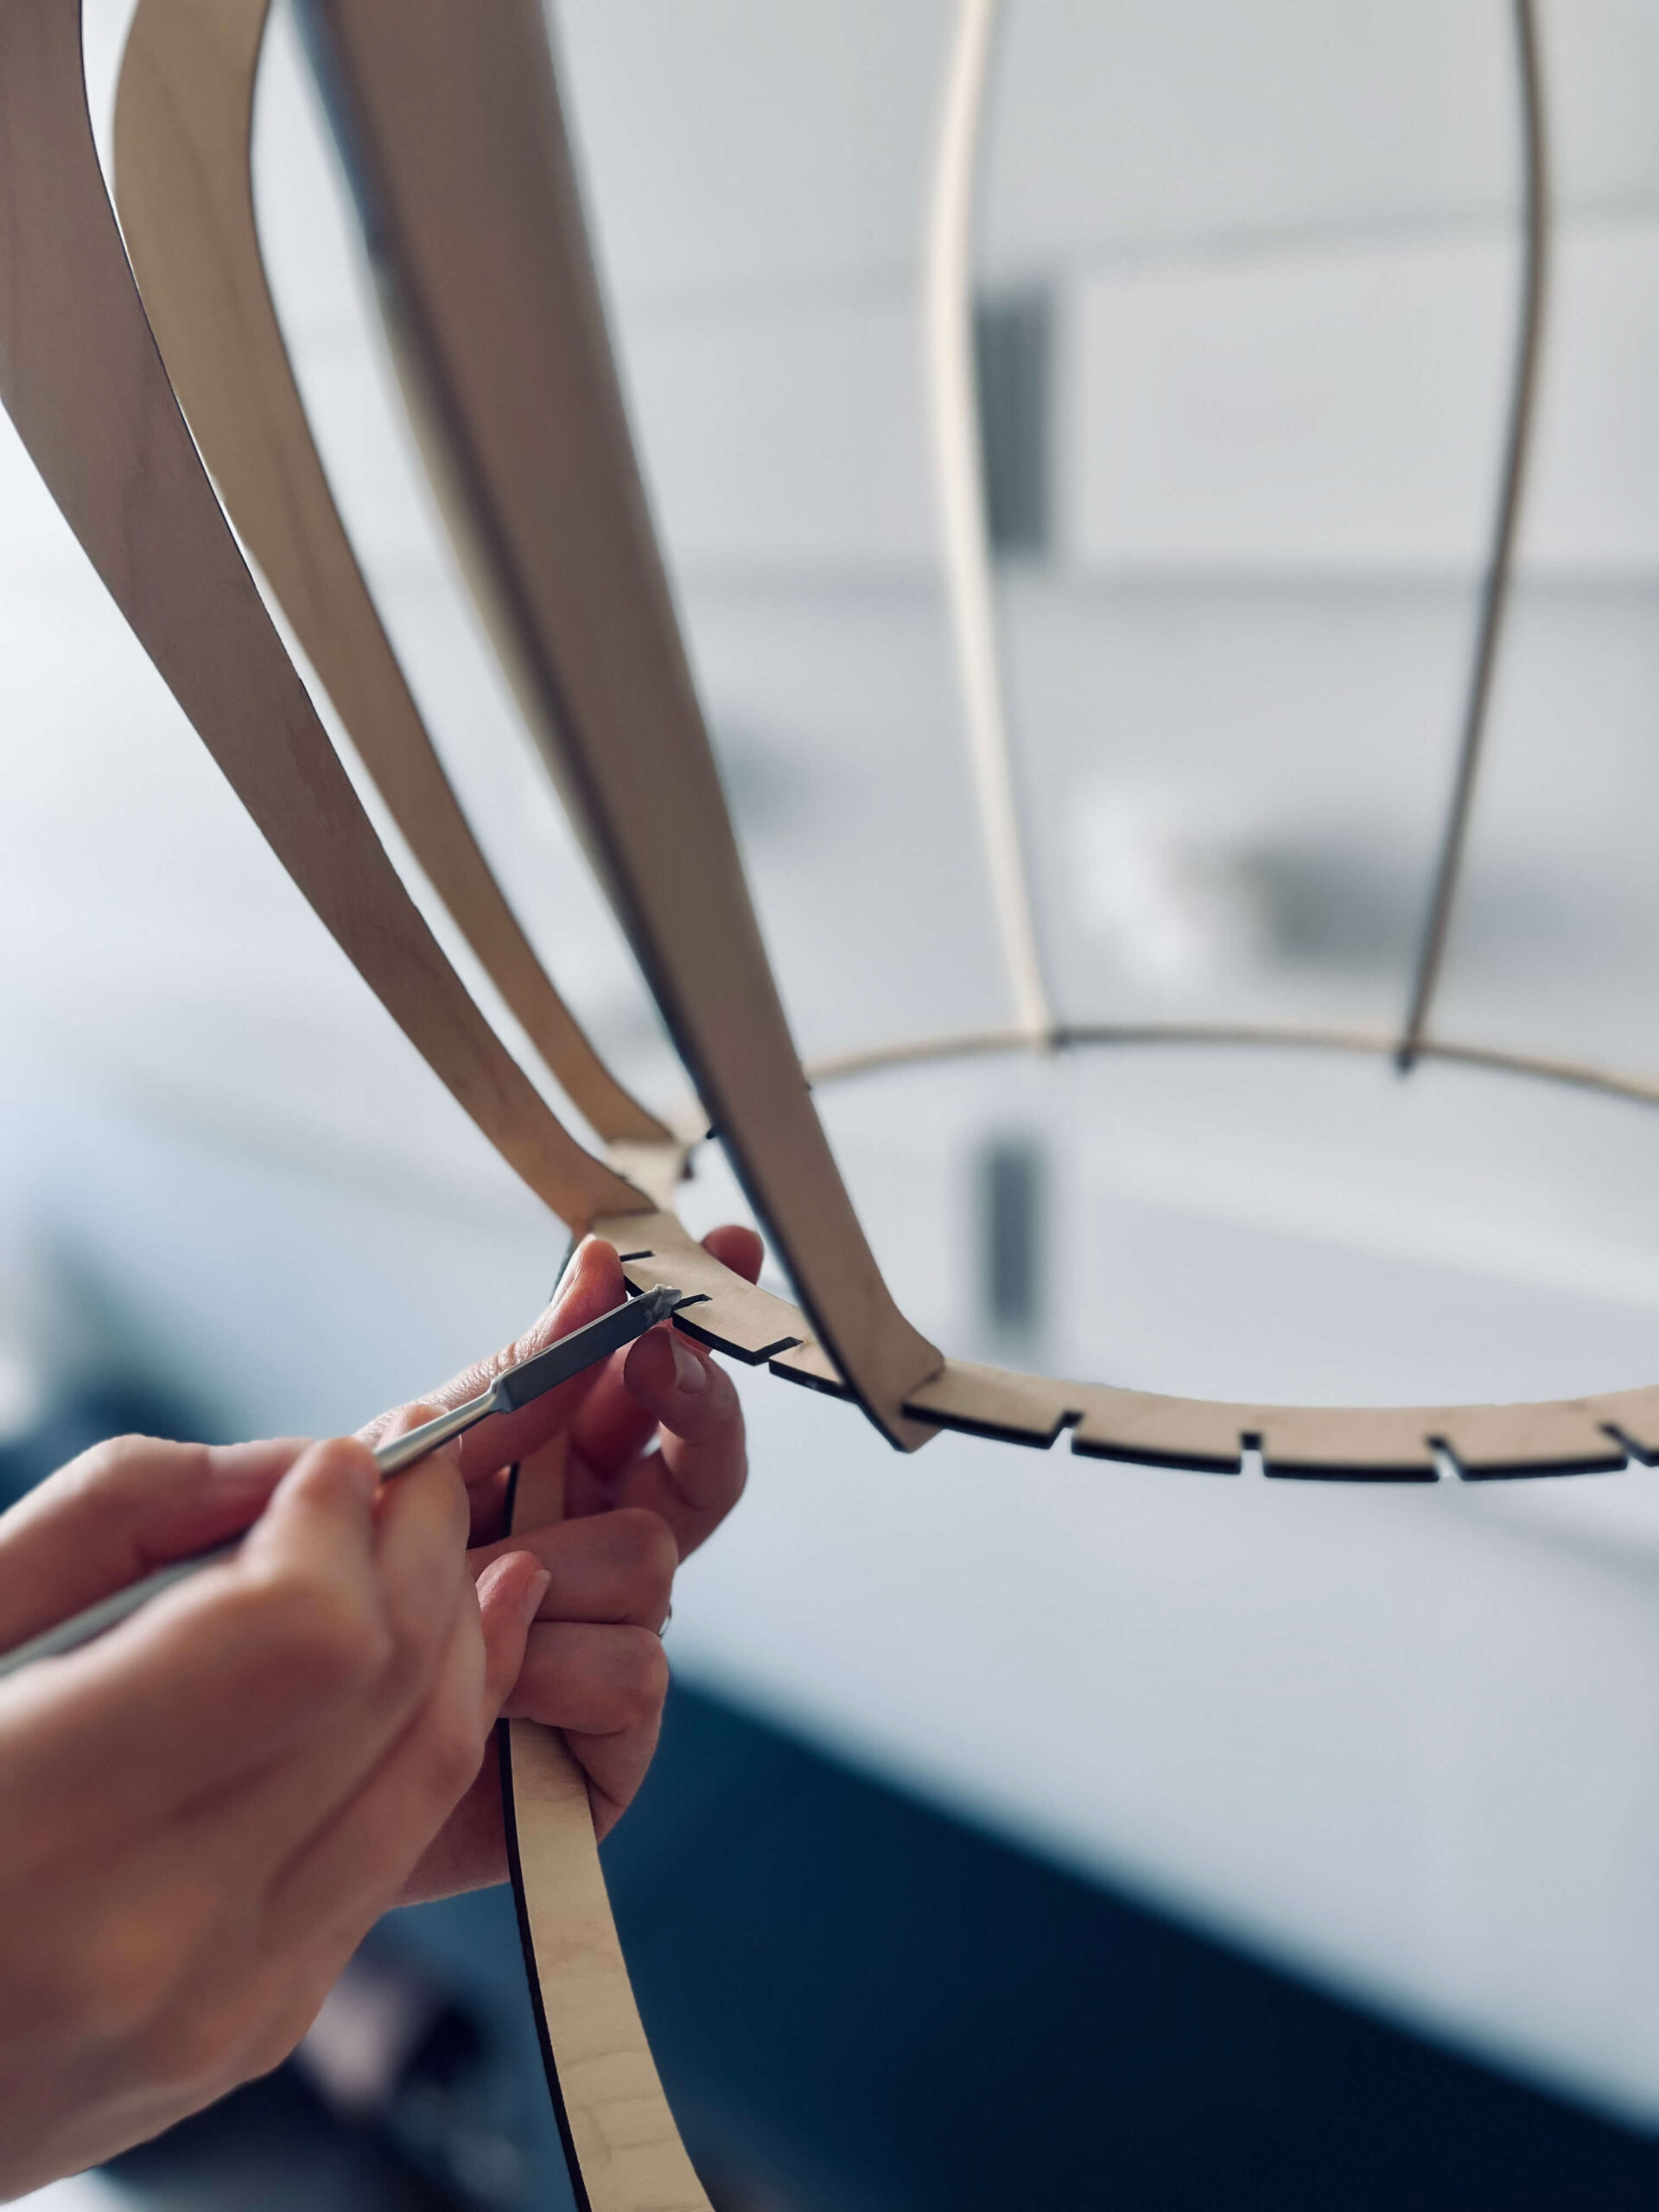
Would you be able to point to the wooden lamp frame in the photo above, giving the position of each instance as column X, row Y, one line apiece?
column 450, row 123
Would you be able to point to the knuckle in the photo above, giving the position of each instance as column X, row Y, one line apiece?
column 642, row 1683
column 648, row 1556
column 107, row 1462
column 454, row 1753
column 490, row 1369
column 124, row 1464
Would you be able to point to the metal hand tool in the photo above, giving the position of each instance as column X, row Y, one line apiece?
column 514, row 1387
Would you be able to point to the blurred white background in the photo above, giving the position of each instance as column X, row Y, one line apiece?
column 1267, row 260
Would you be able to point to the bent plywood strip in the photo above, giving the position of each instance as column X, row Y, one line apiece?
column 456, row 140
column 1379, row 1443
column 1633, row 1416
column 620, row 2138
column 989, row 1401
column 1338, row 1443
column 810, row 1364
column 732, row 1315
column 183, row 131
column 1560, row 1439
column 80, row 376
column 958, row 414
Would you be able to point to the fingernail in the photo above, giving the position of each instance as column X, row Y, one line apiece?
column 535, row 1590
column 689, row 1373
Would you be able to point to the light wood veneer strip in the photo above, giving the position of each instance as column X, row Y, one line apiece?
column 456, row 140
column 1633, row 1415
column 1570, row 1438
column 183, row 132
column 733, row 1316
column 619, row 2136
column 951, row 297
column 1338, row 1443
column 80, row 376
column 183, row 135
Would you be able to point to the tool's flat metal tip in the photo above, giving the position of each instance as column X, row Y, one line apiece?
column 585, row 1346
column 665, row 1301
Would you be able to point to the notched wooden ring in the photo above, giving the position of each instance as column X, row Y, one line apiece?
column 1355, row 1444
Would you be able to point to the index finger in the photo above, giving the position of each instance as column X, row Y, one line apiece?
column 591, row 1285
column 697, row 1473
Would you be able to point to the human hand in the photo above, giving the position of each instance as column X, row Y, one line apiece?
column 205, row 1810
column 653, row 1459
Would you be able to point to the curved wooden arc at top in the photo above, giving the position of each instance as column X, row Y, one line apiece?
column 183, row 134
column 1498, row 582
column 81, row 379
column 452, row 130
column 930, row 1049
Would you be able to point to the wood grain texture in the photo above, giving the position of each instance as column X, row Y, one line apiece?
column 1337, row 1443
column 618, row 2132
column 80, row 376
column 657, row 1169
column 733, row 1316
column 183, row 136
column 457, row 142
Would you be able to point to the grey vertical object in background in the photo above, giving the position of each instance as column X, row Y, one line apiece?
column 1012, row 1240
column 1013, row 352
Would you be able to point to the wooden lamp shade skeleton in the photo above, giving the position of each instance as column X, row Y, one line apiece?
column 450, row 124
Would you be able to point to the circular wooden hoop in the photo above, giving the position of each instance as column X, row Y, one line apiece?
column 974, row 1044
column 1592, row 1435
column 1560, row 1436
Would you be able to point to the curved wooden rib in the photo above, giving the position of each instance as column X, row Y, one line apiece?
column 959, row 473
column 620, row 2138
column 183, row 129
column 455, row 139
column 976, row 1044
column 1500, row 563
column 81, row 379
column 1352, row 1443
